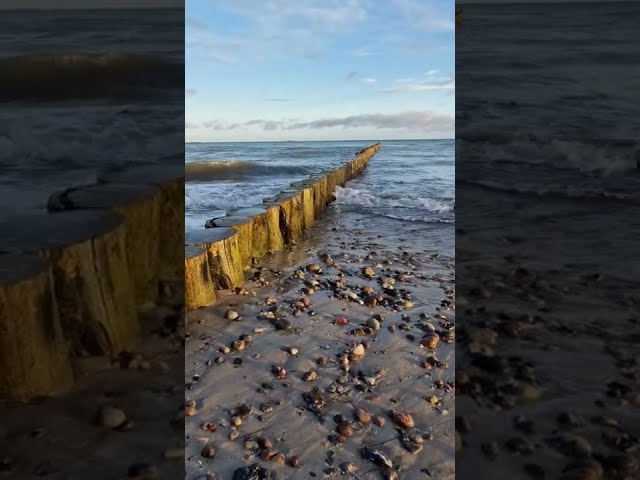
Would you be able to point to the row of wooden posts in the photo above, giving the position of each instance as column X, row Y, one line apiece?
column 74, row 279
column 216, row 258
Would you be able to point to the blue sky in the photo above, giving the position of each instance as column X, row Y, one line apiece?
column 319, row 69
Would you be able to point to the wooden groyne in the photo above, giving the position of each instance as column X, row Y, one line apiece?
column 74, row 280
column 216, row 257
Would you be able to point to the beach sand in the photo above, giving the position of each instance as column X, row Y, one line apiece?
column 59, row 438
column 548, row 375
column 297, row 420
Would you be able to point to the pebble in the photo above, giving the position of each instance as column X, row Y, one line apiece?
column 373, row 324
column 231, row 315
column 368, row 272
column 254, row 472
column 112, row 417
column 358, row 350
column 208, row 451
column 282, row 324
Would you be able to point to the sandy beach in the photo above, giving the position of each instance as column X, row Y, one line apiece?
column 547, row 355
column 123, row 418
column 306, row 377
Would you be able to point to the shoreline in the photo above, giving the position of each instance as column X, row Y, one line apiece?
column 393, row 374
column 216, row 256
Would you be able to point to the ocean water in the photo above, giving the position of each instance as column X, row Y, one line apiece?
column 567, row 85
column 548, row 131
column 406, row 190
column 86, row 91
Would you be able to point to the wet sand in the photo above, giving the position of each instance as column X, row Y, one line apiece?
column 61, row 438
column 548, row 373
column 296, row 413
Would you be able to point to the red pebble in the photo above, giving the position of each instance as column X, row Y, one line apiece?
column 341, row 321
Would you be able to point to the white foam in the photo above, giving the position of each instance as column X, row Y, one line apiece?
column 353, row 196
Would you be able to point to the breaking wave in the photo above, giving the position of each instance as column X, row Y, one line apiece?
column 213, row 170
column 352, row 196
column 59, row 76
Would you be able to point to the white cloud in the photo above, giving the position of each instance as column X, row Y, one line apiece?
column 422, row 86
column 409, row 120
column 368, row 80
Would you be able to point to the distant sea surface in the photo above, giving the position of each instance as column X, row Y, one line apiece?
column 407, row 189
column 548, row 130
column 85, row 91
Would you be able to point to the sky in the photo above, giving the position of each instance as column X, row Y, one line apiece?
column 273, row 70
column 78, row 4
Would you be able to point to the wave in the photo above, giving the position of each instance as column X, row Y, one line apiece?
column 214, row 170
column 559, row 191
column 596, row 156
column 353, row 196
column 61, row 76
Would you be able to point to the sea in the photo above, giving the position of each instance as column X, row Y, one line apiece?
column 82, row 91
column 548, row 132
column 407, row 189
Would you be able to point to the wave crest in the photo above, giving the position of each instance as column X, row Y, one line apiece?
column 353, row 196
column 58, row 76
column 215, row 170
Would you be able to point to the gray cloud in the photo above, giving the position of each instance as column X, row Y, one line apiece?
column 190, row 92
column 409, row 120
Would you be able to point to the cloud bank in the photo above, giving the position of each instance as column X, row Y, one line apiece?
column 409, row 120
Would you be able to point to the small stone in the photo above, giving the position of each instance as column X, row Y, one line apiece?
column 282, row 324
column 345, row 430
column 293, row 462
column 362, row 415
column 368, row 272
column 373, row 324
column 231, row 315
column 314, row 268
column 358, row 350
column 293, row 351
column 341, row 321
column 236, row 421
column 347, row 468
column 310, row 376
column 208, row 451
column 111, row 417
column 403, row 420
column 378, row 421
column 254, row 472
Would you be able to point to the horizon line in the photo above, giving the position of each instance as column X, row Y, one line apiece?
column 306, row 141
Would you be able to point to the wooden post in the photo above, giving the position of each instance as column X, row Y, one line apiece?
column 244, row 227
column 170, row 180
column 198, row 287
column 291, row 215
column 86, row 250
column 34, row 355
column 267, row 230
column 140, row 206
column 223, row 255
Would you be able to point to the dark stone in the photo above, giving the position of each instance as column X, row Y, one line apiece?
column 254, row 472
